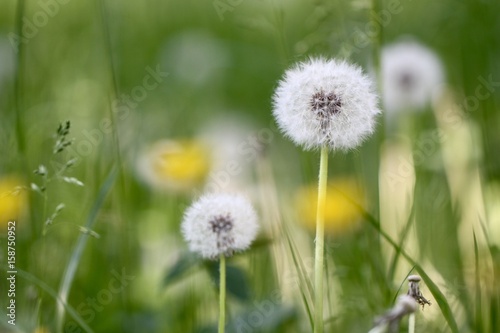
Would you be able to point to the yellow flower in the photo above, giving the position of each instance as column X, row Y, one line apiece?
column 13, row 199
column 341, row 214
column 41, row 330
column 175, row 165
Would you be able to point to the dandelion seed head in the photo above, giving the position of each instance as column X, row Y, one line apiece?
column 414, row 278
column 414, row 290
column 325, row 102
column 219, row 224
column 412, row 76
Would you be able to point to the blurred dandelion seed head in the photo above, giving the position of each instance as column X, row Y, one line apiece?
column 340, row 96
column 412, row 76
column 219, row 224
column 198, row 57
column 13, row 198
column 175, row 165
column 341, row 214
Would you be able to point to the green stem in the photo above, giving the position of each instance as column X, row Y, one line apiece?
column 18, row 98
column 320, row 239
column 71, row 267
column 222, row 294
column 411, row 323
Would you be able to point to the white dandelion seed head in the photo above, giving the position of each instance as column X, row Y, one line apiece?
column 219, row 224
column 326, row 102
column 195, row 57
column 412, row 76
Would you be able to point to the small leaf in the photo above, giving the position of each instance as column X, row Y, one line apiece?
column 41, row 170
column 89, row 232
column 60, row 207
column 185, row 262
column 71, row 162
column 267, row 315
column 73, row 180
column 236, row 280
column 35, row 188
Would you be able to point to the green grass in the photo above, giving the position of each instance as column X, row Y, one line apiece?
column 79, row 65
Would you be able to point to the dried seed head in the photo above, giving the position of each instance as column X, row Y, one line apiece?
column 414, row 290
column 414, row 278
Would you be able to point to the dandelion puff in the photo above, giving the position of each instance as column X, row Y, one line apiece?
column 412, row 76
column 323, row 102
column 219, row 224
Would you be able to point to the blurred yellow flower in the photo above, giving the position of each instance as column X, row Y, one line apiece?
column 13, row 199
column 341, row 213
column 175, row 165
column 41, row 330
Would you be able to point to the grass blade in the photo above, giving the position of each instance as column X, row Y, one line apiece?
column 433, row 288
column 478, row 308
column 404, row 234
column 302, row 278
column 42, row 285
column 72, row 266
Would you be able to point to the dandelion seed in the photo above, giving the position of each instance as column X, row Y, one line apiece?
column 326, row 102
column 219, row 224
column 412, row 76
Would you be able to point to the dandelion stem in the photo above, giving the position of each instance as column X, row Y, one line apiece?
column 222, row 294
column 411, row 323
column 320, row 238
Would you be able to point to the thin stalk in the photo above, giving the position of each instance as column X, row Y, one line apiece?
column 320, row 242
column 222, row 294
column 71, row 267
column 411, row 323
column 18, row 98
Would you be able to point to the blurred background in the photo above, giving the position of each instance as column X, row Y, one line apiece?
column 167, row 99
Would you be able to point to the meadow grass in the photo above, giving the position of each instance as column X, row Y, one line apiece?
column 113, row 260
